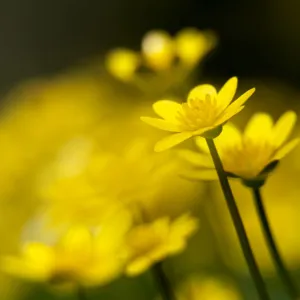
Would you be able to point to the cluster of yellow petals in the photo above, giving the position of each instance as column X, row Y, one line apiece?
column 96, row 256
column 159, row 51
column 152, row 242
column 246, row 154
column 205, row 110
column 79, row 257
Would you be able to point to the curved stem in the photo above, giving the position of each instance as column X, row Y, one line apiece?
column 238, row 223
column 163, row 282
column 279, row 264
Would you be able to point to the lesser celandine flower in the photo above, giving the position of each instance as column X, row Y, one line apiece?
column 122, row 63
column 205, row 110
column 249, row 155
column 152, row 242
column 158, row 50
column 80, row 257
column 192, row 45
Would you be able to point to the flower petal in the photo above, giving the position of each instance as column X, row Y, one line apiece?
column 161, row 124
column 197, row 159
column 138, row 266
column 227, row 93
column 234, row 106
column 202, row 145
column 228, row 114
column 283, row 151
column 259, row 126
column 77, row 242
column 200, row 92
column 230, row 135
column 283, row 127
column 167, row 109
column 171, row 141
column 204, row 174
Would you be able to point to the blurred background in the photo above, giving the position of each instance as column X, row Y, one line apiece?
column 257, row 38
column 57, row 98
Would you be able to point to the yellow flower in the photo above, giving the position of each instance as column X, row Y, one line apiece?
column 158, row 50
column 197, row 288
column 247, row 155
column 192, row 45
column 80, row 257
column 152, row 242
column 205, row 110
column 122, row 63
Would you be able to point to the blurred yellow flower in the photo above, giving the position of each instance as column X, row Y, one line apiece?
column 170, row 59
column 80, row 257
column 246, row 155
column 198, row 288
column 192, row 45
column 158, row 50
column 204, row 111
column 152, row 242
column 122, row 63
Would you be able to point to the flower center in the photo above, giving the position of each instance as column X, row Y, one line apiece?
column 198, row 113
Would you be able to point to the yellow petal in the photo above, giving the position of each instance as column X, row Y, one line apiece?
column 200, row 92
column 198, row 175
column 161, row 124
column 23, row 269
column 77, row 242
column 259, row 127
column 234, row 106
column 230, row 135
column 227, row 92
column 171, row 141
column 113, row 230
column 286, row 149
column 283, row 127
column 228, row 114
column 159, row 253
column 184, row 226
column 138, row 266
column 176, row 247
column 202, row 145
column 197, row 159
column 102, row 272
column 167, row 109
column 38, row 253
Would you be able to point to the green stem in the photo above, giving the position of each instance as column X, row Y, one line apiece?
column 238, row 223
column 280, row 266
column 81, row 294
column 163, row 282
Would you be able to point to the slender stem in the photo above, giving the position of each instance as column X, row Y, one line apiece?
column 163, row 282
column 280, row 266
column 238, row 223
column 81, row 294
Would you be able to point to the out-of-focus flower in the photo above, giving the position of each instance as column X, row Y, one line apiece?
column 204, row 113
column 249, row 155
column 85, row 184
column 80, row 257
column 122, row 63
column 163, row 61
column 158, row 50
column 192, row 45
column 203, row 288
column 152, row 242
